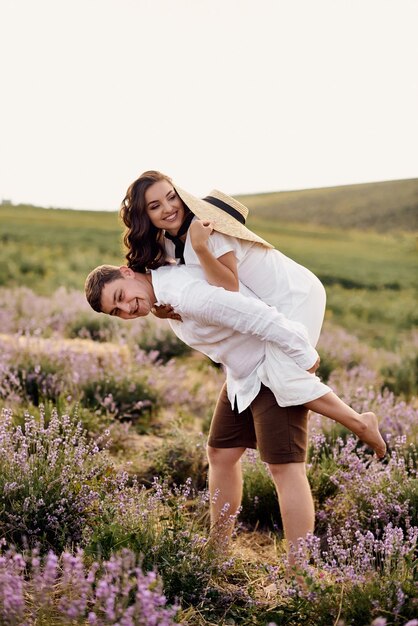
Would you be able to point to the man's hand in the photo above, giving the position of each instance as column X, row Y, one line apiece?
column 200, row 231
column 165, row 311
column 315, row 366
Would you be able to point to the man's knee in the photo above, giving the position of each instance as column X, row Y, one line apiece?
column 224, row 456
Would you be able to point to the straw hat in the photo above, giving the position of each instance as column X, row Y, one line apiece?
column 227, row 214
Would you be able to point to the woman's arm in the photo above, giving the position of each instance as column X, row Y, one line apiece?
column 220, row 272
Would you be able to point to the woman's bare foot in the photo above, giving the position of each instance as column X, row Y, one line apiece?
column 369, row 433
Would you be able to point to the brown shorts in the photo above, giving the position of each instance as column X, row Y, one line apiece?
column 280, row 434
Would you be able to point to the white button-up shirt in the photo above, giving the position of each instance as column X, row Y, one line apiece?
column 215, row 320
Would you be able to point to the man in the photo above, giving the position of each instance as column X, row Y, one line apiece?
column 237, row 330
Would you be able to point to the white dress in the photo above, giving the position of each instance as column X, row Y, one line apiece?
column 289, row 287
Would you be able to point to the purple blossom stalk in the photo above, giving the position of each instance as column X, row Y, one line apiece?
column 65, row 590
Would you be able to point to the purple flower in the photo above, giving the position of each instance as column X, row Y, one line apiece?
column 118, row 592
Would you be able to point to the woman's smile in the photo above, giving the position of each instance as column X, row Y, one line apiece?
column 172, row 217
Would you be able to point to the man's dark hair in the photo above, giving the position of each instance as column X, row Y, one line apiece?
column 96, row 280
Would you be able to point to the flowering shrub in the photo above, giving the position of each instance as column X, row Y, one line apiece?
column 63, row 590
column 181, row 458
column 99, row 328
column 369, row 493
column 366, row 570
column 148, row 334
column 22, row 312
column 51, row 482
column 163, row 525
column 396, row 416
column 102, row 377
column 351, row 582
column 59, row 489
column 341, row 352
column 66, row 314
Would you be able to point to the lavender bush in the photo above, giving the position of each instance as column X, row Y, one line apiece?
column 64, row 590
column 66, row 314
column 369, row 493
column 103, row 378
column 359, row 575
column 111, row 380
column 395, row 371
column 59, row 489
column 51, row 482
column 358, row 388
column 179, row 459
column 165, row 525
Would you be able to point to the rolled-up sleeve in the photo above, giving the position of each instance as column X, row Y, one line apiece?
column 249, row 316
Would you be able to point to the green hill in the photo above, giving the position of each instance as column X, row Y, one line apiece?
column 334, row 231
column 382, row 206
column 370, row 276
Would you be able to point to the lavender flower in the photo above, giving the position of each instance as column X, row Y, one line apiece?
column 117, row 592
column 51, row 485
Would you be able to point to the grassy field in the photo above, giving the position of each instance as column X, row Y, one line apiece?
column 107, row 519
column 349, row 257
column 48, row 248
column 384, row 206
column 371, row 277
column 58, row 247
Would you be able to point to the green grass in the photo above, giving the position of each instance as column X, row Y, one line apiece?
column 384, row 206
column 352, row 258
column 47, row 248
column 370, row 276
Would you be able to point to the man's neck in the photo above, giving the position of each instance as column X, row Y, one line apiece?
column 147, row 279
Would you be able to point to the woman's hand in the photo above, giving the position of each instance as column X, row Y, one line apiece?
column 315, row 366
column 200, row 231
column 165, row 311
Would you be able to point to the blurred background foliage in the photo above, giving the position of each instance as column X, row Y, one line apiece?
column 361, row 240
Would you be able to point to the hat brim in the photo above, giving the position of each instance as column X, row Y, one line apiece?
column 222, row 221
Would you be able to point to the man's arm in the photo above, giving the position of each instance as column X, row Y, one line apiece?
column 217, row 307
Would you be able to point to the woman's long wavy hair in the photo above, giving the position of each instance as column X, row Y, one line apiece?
column 145, row 242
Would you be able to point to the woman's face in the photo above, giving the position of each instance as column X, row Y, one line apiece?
column 164, row 207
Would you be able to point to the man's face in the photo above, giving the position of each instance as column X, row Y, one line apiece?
column 164, row 207
column 127, row 297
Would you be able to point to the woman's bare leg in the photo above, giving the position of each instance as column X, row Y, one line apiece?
column 364, row 425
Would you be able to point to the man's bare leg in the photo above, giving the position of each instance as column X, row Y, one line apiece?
column 295, row 499
column 225, row 488
column 364, row 425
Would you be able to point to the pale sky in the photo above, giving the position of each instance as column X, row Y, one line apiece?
column 242, row 95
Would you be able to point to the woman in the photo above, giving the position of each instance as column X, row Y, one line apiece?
column 163, row 223
column 161, row 226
